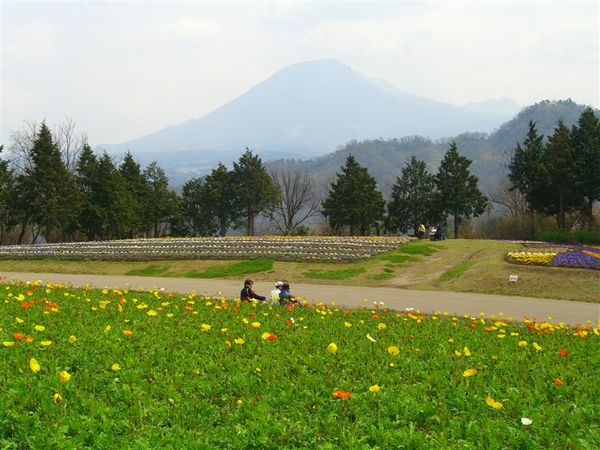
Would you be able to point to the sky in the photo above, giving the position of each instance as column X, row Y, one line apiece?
column 122, row 70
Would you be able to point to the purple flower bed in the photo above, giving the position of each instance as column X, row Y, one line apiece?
column 577, row 259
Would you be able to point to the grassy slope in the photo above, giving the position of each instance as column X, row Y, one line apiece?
column 453, row 265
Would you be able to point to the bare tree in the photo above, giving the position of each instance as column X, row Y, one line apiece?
column 69, row 142
column 64, row 135
column 20, row 145
column 507, row 202
column 298, row 199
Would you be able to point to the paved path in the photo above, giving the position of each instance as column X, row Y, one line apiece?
column 455, row 303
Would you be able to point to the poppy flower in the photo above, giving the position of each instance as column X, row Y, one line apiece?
column 8, row 343
column 469, row 373
column 563, row 352
column 559, row 382
column 340, row 393
column 39, row 328
column 19, row 336
column 393, row 350
column 64, row 376
column 56, row 398
column 494, row 404
column 239, row 341
column 374, row 389
column 115, row 367
column 332, row 348
column 34, row 365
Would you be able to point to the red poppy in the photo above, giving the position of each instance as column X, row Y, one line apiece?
column 25, row 305
column 272, row 337
column 559, row 382
column 340, row 393
column 288, row 322
column 19, row 336
column 188, row 307
column 563, row 352
column 375, row 316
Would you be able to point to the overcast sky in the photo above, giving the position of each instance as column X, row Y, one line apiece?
column 123, row 70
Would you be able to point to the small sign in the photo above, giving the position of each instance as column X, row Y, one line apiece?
column 513, row 278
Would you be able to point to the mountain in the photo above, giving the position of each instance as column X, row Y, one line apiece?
column 307, row 110
column 489, row 152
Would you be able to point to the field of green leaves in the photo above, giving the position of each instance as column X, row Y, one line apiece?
column 117, row 369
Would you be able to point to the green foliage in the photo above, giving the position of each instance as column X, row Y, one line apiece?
column 341, row 274
column 457, row 193
column 137, row 195
column 181, row 387
column 220, row 198
column 196, row 209
column 255, row 191
column 412, row 198
column 162, row 202
column 7, row 182
column 562, row 193
column 591, row 237
column 585, row 139
column 354, row 200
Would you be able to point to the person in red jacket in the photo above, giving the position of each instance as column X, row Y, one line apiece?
column 248, row 293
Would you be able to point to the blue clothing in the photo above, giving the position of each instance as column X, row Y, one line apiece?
column 284, row 297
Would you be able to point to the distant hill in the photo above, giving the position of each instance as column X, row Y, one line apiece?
column 490, row 153
column 307, row 110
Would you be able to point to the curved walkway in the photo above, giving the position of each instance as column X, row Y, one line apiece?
column 454, row 303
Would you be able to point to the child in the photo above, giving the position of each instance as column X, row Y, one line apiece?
column 285, row 298
column 275, row 293
column 248, row 294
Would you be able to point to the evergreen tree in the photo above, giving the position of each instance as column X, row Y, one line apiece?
column 161, row 201
column 112, row 199
column 6, row 190
column 525, row 171
column 411, row 203
column 254, row 188
column 48, row 188
column 457, row 193
column 138, row 189
column 586, row 143
column 563, row 190
column 221, row 199
column 90, row 218
column 354, row 200
column 197, row 213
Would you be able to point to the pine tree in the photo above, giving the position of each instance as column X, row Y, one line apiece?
column 6, row 190
column 90, row 220
column 457, row 193
column 48, row 188
column 197, row 214
column 161, row 204
column 525, row 171
column 220, row 198
column 354, row 200
column 411, row 203
column 137, row 187
column 254, row 188
column 586, row 143
column 563, row 192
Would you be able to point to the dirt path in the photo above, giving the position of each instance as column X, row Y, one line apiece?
column 454, row 303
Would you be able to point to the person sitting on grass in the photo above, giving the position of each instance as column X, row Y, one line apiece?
column 275, row 293
column 248, row 294
column 285, row 298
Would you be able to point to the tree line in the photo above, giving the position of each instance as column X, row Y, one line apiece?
column 55, row 187
column 559, row 176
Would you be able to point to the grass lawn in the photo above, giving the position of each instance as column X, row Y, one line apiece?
column 117, row 369
column 460, row 265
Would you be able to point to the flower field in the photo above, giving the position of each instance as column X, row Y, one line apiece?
column 118, row 369
column 559, row 255
column 282, row 248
